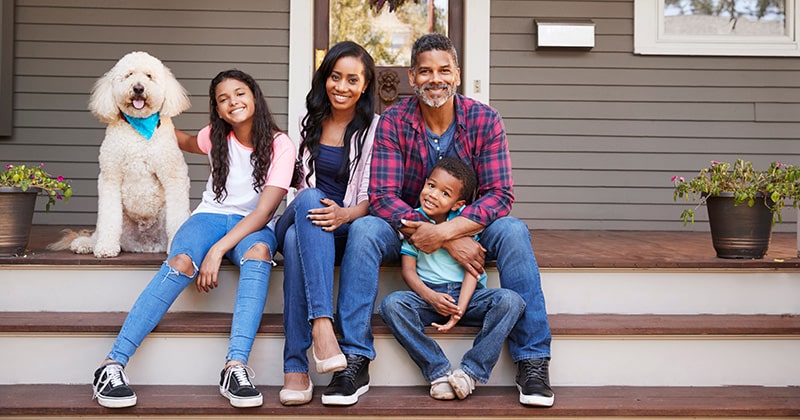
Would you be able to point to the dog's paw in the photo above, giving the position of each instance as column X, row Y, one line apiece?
column 102, row 250
column 81, row 245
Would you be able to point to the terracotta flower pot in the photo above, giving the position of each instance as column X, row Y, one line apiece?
column 739, row 231
column 17, row 207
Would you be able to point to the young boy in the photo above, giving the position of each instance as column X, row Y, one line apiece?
column 437, row 281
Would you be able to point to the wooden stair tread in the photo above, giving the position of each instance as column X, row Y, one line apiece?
column 560, row 324
column 555, row 249
column 185, row 400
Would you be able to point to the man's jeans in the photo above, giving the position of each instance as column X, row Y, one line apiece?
column 372, row 242
column 494, row 310
column 194, row 238
column 309, row 255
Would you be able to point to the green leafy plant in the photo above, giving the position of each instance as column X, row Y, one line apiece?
column 35, row 177
column 773, row 187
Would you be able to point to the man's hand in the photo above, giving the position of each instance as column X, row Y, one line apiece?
column 468, row 252
column 426, row 237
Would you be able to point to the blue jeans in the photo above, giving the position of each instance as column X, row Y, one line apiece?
column 507, row 240
column 494, row 310
column 194, row 238
column 309, row 255
column 371, row 242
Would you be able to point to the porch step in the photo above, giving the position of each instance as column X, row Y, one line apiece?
column 61, row 401
column 560, row 324
column 588, row 349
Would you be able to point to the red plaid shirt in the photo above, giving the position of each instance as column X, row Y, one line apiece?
column 400, row 161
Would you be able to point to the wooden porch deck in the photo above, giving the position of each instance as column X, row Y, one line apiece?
column 553, row 249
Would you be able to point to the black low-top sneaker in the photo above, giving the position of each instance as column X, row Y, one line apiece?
column 110, row 387
column 533, row 382
column 348, row 384
column 235, row 385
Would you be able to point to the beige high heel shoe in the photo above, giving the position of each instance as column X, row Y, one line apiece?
column 294, row 397
column 331, row 364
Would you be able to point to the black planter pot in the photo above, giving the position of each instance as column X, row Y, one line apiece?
column 17, row 207
column 739, row 231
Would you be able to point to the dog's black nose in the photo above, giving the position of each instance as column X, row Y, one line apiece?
column 138, row 89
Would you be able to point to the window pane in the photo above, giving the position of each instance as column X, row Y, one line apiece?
column 725, row 17
column 388, row 36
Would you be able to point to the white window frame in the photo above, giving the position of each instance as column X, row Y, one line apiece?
column 649, row 37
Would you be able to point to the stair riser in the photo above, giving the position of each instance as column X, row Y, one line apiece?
column 566, row 291
column 637, row 361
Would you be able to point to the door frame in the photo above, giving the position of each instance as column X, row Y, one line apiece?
column 474, row 58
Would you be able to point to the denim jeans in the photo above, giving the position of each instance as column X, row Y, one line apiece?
column 309, row 255
column 494, row 310
column 194, row 238
column 371, row 242
column 507, row 240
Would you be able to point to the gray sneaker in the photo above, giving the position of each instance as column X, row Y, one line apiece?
column 462, row 384
column 110, row 387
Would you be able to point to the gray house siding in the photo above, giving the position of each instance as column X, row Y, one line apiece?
column 597, row 135
column 61, row 48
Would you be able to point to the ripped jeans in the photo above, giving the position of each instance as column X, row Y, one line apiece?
column 194, row 238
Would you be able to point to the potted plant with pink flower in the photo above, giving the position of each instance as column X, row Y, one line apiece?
column 19, row 187
column 743, row 203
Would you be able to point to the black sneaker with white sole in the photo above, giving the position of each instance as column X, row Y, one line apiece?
column 235, row 385
column 110, row 387
column 533, row 382
column 348, row 384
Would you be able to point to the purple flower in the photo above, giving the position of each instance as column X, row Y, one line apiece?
column 60, row 178
column 9, row 166
column 674, row 178
column 714, row 162
column 41, row 165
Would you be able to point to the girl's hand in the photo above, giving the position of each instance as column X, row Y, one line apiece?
column 207, row 277
column 329, row 217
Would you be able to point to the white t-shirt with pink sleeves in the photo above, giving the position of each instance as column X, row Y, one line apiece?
column 242, row 198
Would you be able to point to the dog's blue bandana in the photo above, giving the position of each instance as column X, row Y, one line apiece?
column 145, row 126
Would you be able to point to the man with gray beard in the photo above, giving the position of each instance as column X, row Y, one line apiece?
column 412, row 136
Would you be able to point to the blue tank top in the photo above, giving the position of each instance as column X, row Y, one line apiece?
column 326, row 167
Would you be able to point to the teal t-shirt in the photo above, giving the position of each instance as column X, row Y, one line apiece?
column 439, row 267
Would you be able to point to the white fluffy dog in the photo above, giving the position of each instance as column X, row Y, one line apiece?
column 143, row 186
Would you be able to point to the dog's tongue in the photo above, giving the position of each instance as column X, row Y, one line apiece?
column 138, row 103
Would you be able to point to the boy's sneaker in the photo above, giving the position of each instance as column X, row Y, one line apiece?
column 110, row 387
column 235, row 385
column 533, row 382
column 462, row 384
column 348, row 384
column 441, row 389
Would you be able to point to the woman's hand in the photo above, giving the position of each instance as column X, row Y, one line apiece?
column 208, row 276
column 330, row 217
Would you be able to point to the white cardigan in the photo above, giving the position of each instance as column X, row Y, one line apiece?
column 358, row 182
